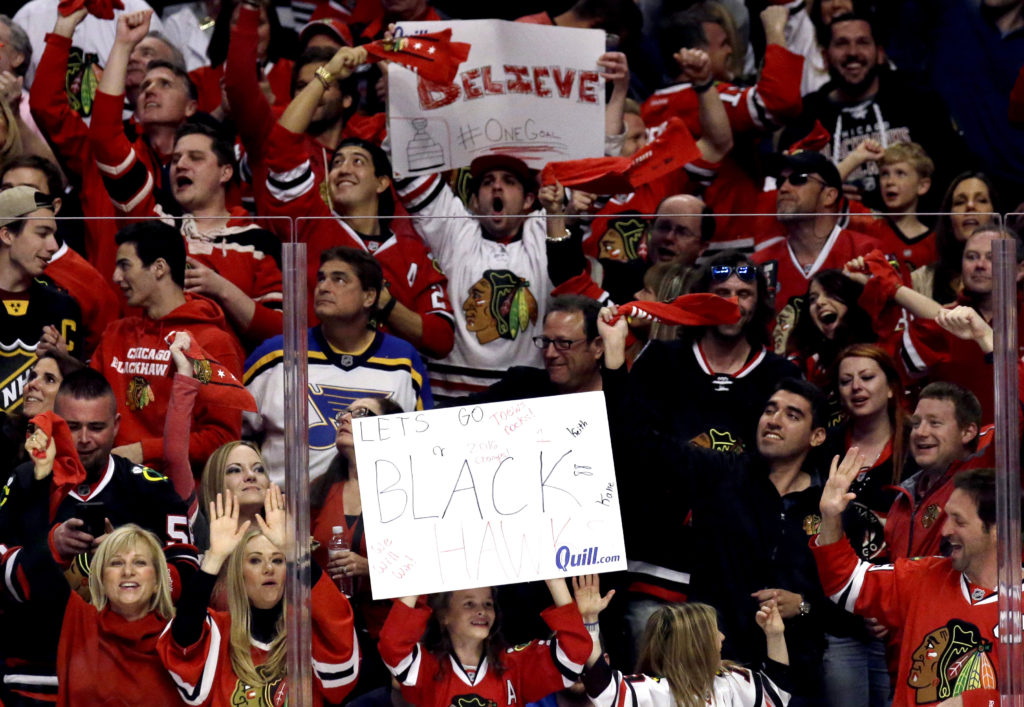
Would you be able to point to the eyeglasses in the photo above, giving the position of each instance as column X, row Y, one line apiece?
column 354, row 413
column 542, row 342
column 798, row 180
column 721, row 273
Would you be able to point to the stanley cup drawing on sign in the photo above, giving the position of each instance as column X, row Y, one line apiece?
column 423, row 151
column 530, row 91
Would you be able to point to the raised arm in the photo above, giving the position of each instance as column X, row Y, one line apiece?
column 616, row 70
column 132, row 28
column 299, row 113
column 178, row 423
column 716, row 134
column 836, row 495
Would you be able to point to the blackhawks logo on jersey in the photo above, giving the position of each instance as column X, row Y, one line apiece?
column 951, row 660
column 499, row 306
column 472, row 701
column 273, row 694
column 140, row 394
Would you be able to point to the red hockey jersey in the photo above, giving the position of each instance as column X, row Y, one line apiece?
column 412, row 275
column 204, row 675
column 531, row 671
column 949, row 645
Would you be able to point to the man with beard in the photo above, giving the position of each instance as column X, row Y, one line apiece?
column 945, row 607
column 730, row 371
column 866, row 99
column 807, row 207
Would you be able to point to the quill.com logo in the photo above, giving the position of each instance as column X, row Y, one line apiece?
column 565, row 558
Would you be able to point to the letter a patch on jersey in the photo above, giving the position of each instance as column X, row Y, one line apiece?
column 510, row 698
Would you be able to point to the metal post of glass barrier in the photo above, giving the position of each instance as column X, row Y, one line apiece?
column 1007, row 441
column 300, row 634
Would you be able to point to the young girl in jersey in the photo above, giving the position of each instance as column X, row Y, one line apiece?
column 462, row 654
column 681, row 664
column 238, row 657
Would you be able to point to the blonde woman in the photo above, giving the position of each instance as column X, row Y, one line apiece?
column 681, row 664
column 107, row 652
column 238, row 657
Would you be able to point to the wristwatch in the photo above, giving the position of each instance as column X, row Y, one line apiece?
column 805, row 607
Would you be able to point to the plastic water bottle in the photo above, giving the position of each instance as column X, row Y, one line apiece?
column 337, row 547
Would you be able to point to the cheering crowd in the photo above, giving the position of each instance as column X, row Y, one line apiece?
column 780, row 274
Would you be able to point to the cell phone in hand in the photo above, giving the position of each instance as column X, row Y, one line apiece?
column 93, row 515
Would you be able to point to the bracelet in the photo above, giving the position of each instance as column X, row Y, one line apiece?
column 559, row 239
column 385, row 311
column 325, row 76
column 703, row 87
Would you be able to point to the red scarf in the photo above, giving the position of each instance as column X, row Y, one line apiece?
column 219, row 385
column 104, row 9
column 434, row 55
column 698, row 309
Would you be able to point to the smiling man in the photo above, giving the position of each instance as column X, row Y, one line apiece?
column 946, row 609
column 945, row 437
column 30, row 302
column 133, row 355
column 753, row 509
column 865, row 98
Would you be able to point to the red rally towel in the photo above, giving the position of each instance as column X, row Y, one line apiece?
column 104, row 9
column 814, row 141
column 434, row 55
column 698, row 309
column 673, row 149
column 68, row 471
column 219, row 385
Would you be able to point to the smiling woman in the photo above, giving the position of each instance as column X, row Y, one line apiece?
column 115, row 636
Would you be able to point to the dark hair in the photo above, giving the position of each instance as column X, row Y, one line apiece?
column 589, row 308
column 951, row 251
column 980, row 485
column 63, row 366
column 221, row 144
column 322, row 55
column 855, row 327
column 897, row 403
column 437, row 641
column 281, row 39
column 177, row 70
column 337, row 470
column 381, row 168
column 368, row 270
column 825, row 37
column 966, row 407
column 85, row 384
column 756, row 330
column 685, row 30
column 812, row 394
column 156, row 239
column 54, row 180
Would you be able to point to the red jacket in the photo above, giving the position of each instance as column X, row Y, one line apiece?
column 913, row 527
column 133, row 356
column 69, row 136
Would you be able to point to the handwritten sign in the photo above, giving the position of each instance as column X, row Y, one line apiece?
column 488, row 494
column 532, row 91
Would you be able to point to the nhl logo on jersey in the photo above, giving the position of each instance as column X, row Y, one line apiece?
column 930, row 515
column 140, row 394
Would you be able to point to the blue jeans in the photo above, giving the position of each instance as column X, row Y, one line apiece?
column 855, row 673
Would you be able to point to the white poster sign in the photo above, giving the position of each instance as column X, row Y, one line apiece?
column 488, row 494
column 532, row 91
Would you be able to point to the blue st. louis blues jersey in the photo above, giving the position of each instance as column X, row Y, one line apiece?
column 388, row 368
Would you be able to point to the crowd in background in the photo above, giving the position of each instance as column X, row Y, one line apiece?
column 792, row 328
